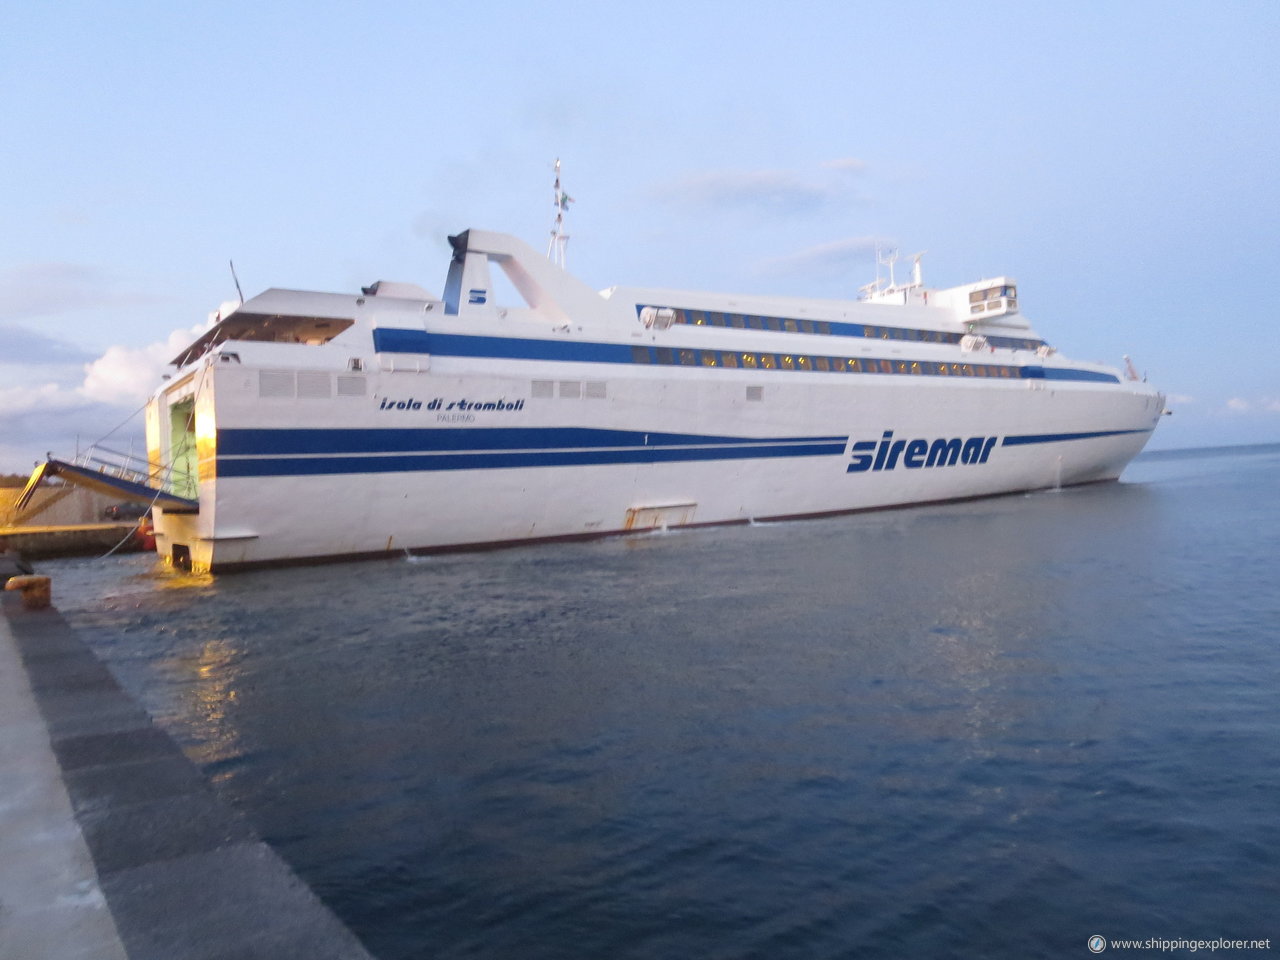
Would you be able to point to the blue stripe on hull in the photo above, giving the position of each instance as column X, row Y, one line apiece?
column 256, row 442
column 1059, row 437
column 298, row 466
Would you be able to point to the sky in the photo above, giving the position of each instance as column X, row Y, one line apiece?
column 1117, row 159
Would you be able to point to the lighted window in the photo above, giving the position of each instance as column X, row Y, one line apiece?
column 768, row 361
column 728, row 359
column 886, row 366
column 787, row 363
column 749, row 360
column 853, row 364
column 696, row 317
column 708, row 358
column 821, row 363
column 915, row 368
column 688, row 358
column 804, row 363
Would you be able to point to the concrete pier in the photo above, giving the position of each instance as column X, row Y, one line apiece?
column 71, row 540
column 113, row 845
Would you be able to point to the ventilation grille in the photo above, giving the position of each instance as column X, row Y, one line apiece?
column 351, row 386
column 275, row 383
column 314, row 386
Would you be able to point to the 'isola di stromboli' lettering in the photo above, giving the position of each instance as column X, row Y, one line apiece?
column 884, row 454
column 502, row 403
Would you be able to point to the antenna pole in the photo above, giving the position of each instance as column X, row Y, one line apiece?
column 236, row 279
column 559, row 239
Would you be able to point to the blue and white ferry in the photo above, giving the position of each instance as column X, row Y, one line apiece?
column 306, row 426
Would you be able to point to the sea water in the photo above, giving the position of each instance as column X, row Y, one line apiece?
column 992, row 728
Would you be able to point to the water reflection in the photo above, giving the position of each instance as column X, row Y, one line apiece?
column 210, row 700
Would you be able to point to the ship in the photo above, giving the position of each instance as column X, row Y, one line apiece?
column 307, row 426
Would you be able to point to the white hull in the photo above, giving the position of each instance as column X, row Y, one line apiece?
column 295, row 465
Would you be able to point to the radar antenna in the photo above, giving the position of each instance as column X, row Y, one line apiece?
column 886, row 256
column 559, row 239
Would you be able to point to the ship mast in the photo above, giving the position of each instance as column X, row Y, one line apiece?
column 559, row 239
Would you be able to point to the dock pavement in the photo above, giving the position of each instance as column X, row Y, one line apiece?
column 112, row 844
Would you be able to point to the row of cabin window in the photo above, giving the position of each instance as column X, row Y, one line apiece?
column 705, row 318
column 673, row 356
column 1015, row 343
column 993, row 293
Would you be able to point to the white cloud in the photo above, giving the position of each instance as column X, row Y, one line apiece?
column 124, row 375
column 121, row 377
column 18, row 401
column 35, row 417
column 1181, row 398
column 1239, row 405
